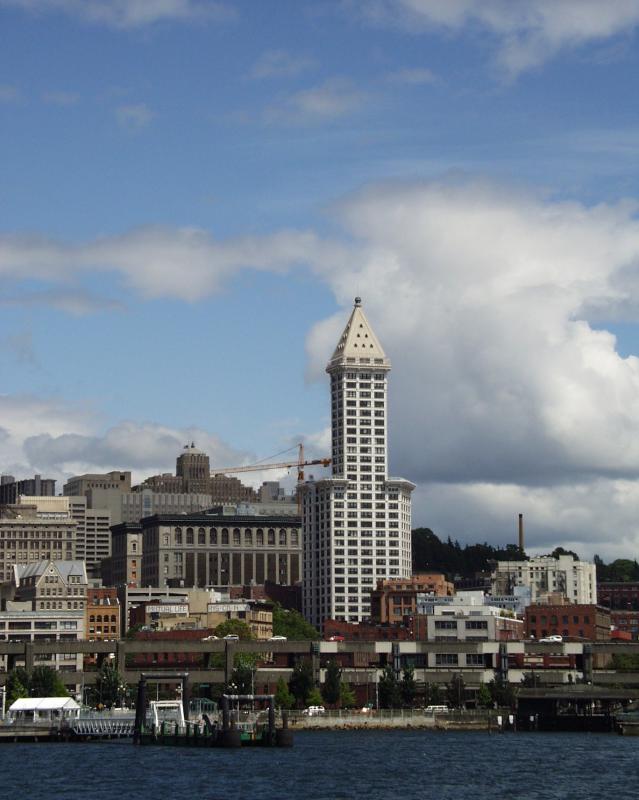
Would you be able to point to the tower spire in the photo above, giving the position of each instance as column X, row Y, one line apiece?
column 358, row 345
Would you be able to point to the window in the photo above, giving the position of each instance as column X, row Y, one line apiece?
column 271, row 536
column 213, row 536
column 248, row 537
column 225, row 535
column 282, row 538
column 259, row 537
column 178, row 536
column 446, row 659
column 236, row 536
column 201, row 536
column 189, row 535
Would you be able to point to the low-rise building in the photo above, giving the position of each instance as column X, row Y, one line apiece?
column 569, row 620
column 102, row 618
column 564, row 575
column 52, row 584
column 394, row 601
column 11, row 489
column 124, row 566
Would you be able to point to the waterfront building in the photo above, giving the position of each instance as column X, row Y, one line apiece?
column 214, row 549
column 574, row 580
column 357, row 523
column 394, row 601
column 570, row 620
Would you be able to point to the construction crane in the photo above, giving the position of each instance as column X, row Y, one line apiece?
column 300, row 464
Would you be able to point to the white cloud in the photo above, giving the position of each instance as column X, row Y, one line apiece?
column 133, row 117
column 503, row 396
column 127, row 14
column 185, row 263
column 481, row 295
column 526, row 33
column 279, row 63
column 57, row 440
column 330, row 100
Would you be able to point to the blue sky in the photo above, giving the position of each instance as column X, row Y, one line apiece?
column 191, row 193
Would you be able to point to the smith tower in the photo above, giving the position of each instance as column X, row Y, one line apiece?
column 357, row 523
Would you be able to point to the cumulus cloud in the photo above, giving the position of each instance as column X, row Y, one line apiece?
column 330, row 100
column 127, row 13
column 185, row 263
column 280, row 63
column 56, row 439
column 481, row 296
column 526, row 33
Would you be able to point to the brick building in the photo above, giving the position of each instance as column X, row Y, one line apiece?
column 102, row 614
column 393, row 601
column 581, row 621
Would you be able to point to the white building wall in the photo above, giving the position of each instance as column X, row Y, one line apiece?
column 357, row 524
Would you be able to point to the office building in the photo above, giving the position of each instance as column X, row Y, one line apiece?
column 11, row 489
column 214, row 549
column 25, row 537
column 546, row 576
column 357, row 523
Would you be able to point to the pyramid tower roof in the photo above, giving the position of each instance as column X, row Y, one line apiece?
column 358, row 346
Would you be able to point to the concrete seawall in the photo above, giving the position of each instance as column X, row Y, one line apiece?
column 396, row 720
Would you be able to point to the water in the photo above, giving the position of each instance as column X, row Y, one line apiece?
column 375, row 765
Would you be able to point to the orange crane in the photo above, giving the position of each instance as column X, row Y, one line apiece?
column 300, row 464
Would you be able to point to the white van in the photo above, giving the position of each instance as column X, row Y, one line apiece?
column 436, row 710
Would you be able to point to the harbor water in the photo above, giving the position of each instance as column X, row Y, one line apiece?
column 328, row 765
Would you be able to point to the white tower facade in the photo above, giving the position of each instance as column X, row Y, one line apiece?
column 357, row 523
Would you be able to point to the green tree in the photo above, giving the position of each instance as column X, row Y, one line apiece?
column 484, row 697
column 283, row 698
column 408, row 687
column 433, row 694
column 17, row 685
column 456, row 691
column 234, row 627
column 107, row 688
column 46, row 682
column 502, row 692
column 242, row 679
column 347, row 697
column 332, row 684
column 301, row 682
column 292, row 625
column 314, row 698
column 388, row 689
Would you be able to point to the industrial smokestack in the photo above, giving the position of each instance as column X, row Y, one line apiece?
column 521, row 532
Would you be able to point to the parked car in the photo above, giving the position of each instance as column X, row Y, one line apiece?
column 436, row 709
column 336, row 638
column 551, row 639
column 278, row 639
column 232, row 637
column 313, row 711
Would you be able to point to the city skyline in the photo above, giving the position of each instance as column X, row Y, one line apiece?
column 193, row 193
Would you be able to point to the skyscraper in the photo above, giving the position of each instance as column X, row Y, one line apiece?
column 357, row 523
